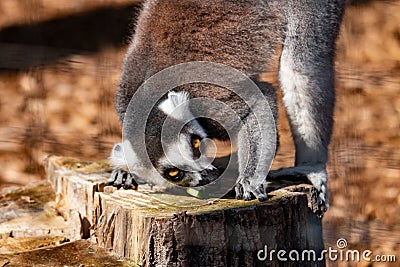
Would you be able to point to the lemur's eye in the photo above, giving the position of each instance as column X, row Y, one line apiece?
column 196, row 142
column 174, row 174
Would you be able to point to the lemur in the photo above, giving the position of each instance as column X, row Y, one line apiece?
column 248, row 35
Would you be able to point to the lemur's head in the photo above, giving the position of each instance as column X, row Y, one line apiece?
column 176, row 144
column 180, row 155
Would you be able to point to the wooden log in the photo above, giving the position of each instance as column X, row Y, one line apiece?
column 75, row 182
column 225, row 233
column 139, row 225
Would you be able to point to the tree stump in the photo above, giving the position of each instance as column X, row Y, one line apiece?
column 75, row 183
column 226, row 232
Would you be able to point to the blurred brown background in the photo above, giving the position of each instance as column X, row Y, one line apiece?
column 60, row 63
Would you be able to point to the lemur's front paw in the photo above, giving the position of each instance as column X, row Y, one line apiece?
column 121, row 178
column 315, row 174
column 246, row 191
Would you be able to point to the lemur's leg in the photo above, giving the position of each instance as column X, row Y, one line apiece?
column 253, row 162
column 307, row 80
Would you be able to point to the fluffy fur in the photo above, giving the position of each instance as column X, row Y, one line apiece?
column 246, row 35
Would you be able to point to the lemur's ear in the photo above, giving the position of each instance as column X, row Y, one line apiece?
column 177, row 106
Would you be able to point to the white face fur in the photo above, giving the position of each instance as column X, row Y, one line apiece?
column 184, row 162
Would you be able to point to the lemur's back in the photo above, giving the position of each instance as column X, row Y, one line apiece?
column 241, row 34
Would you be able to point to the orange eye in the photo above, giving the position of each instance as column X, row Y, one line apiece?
column 173, row 172
column 196, row 143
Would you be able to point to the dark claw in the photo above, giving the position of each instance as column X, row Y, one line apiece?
column 321, row 208
column 130, row 182
column 113, row 177
column 263, row 199
column 260, row 193
column 247, row 196
column 239, row 191
column 121, row 178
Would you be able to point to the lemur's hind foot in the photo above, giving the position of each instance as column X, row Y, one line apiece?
column 315, row 174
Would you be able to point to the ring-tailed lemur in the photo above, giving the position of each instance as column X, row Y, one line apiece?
column 246, row 35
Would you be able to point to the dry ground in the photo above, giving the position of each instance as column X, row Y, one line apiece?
column 58, row 99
